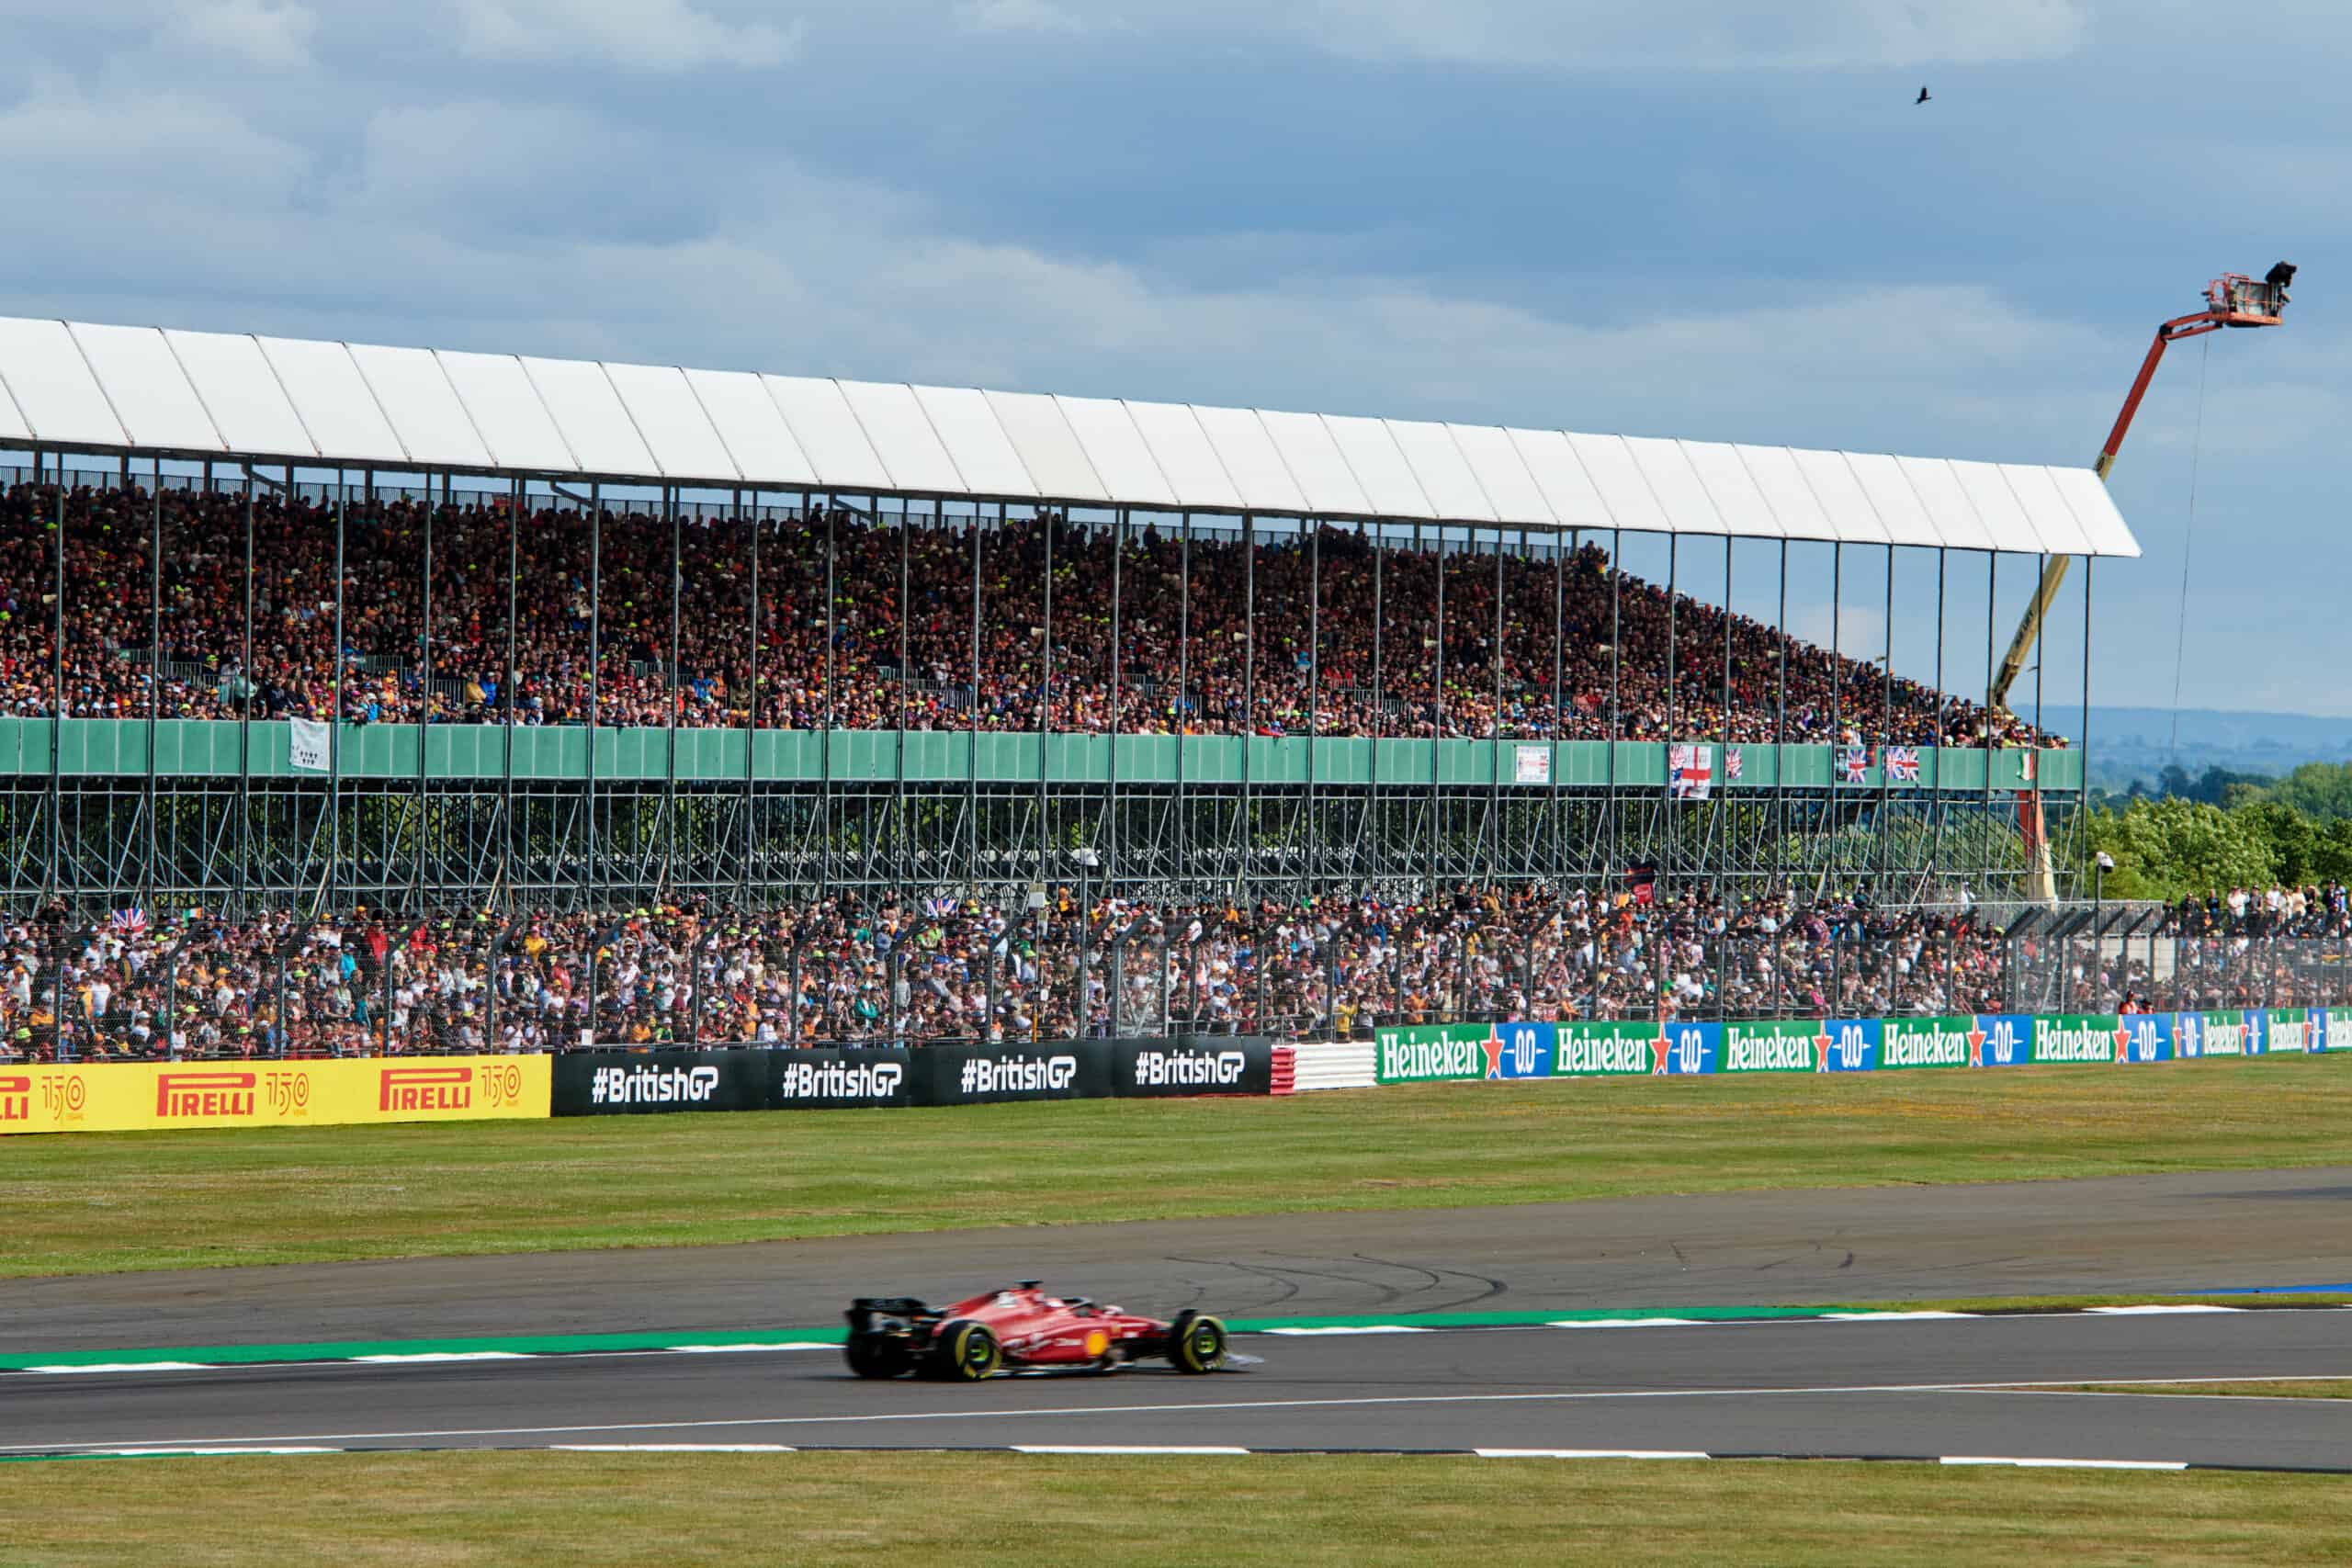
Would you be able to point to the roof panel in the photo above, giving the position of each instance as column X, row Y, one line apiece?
column 1500, row 472
column 12, row 424
column 346, row 422
column 1380, row 468
column 1897, row 504
column 2005, row 519
column 1262, row 481
column 148, row 388
column 580, row 399
column 1948, row 505
column 1688, row 507
column 902, row 437
column 1441, row 472
column 1183, row 453
column 417, row 398
column 1617, row 480
column 506, row 411
column 1852, row 519
column 2086, row 496
column 672, row 423
column 746, row 419
column 1733, row 490
column 1783, row 487
column 1313, row 460
column 241, row 392
column 975, row 441
column 1048, row 449
column 2046, row 509
column 829, row 433
column 1567, row 490
column 1116, row 451
column 53, row 387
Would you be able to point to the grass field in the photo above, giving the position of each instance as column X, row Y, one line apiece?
column 815, row 1510
column 178, row 1199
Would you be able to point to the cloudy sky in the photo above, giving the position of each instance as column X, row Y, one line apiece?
column 1702, row 217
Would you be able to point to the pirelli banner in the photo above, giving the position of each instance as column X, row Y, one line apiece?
column 128, row 1096
column 1472, row 1052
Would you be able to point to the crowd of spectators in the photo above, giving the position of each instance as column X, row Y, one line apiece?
column 1321, row 632
column 858, row 970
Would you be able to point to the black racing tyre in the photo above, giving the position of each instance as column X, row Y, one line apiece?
column 964, row 1350
column 879, row 1354
column 1196, row 1342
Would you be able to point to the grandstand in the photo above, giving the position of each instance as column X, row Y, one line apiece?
column 296, row 630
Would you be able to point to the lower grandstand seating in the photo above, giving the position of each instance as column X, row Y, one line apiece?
column 882, row 970
column 1180, row 666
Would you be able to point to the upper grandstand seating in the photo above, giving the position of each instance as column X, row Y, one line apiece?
column 1377, row 674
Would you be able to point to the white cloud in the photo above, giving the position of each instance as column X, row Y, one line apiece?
column 258, row 32
column 652, row 36
column 1604, row 34
column 1017, row 16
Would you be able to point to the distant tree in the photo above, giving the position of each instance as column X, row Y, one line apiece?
column 2170, row 849
column 2285, row 834
column 2321, row 791
column 2332, row 856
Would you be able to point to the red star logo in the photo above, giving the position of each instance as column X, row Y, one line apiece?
column 1493, row 1046
column 1821, row 1044
column 2122, row 1041
column 1976, row 1045
column 1661, row 1050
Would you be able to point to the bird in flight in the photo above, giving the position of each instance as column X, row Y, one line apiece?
column 1920, row 99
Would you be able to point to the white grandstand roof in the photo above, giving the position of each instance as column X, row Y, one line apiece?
column 77, row 387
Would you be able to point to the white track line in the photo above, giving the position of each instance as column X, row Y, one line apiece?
column 886, row 1417
column 1590, row 1454
column 127, row 1367
column 1629, row 1322
column 423, row 1356
column 2153, row 1309
column 2069, row 1464
column 1118, row 1449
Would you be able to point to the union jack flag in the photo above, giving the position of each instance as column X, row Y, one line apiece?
column 939, row 909
column 1858, row 759
column 1903, row 764
column 1733, row 762
column 128, row 922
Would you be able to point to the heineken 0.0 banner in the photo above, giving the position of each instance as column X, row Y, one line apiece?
column 1606, row 1050
column 1431, row 1053
column 1908, row 1042
column 1628, row 1048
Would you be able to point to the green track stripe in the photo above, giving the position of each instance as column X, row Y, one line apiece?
column 577, row 1344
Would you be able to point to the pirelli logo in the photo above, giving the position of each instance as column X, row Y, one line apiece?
column 15, row 1098
column 425, row 1089
column 204, row 1095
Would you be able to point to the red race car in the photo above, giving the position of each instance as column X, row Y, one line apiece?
column 1020, row 1329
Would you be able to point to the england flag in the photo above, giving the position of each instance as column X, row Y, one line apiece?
column 1691, row 773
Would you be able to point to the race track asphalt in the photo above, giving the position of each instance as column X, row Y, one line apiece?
column 2184, row 1233
column 1916, row 1388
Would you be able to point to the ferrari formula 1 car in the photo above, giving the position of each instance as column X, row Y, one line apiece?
column 1020, row 1329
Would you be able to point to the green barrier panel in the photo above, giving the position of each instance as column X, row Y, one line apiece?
column 1431, row 1053
column 1910, row 1042
column 1780, row 1046
column 1604, row 1050
column 117, row 748
column 2075, row 1037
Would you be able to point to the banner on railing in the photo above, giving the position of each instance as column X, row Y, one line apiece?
column 309, row 745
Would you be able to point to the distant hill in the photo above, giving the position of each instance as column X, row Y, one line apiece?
column 2136, row 743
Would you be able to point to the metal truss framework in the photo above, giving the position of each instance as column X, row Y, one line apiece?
column 246, row 844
